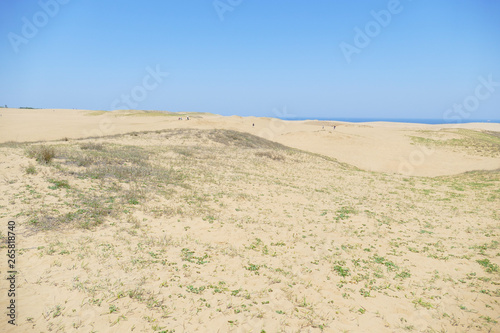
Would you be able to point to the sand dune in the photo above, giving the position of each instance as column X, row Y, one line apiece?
column 215, row 225
column 378, row 146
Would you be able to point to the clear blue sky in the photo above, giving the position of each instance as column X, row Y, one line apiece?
column 264, row 55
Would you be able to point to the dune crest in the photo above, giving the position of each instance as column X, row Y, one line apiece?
column 404, row 148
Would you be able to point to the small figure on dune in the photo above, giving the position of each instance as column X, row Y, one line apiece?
column 253, row 124
column 187, row 118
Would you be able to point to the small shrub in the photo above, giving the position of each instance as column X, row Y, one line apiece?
column 43, row 154
column 30, row 169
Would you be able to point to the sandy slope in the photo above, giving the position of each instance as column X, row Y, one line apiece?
column 195, row 228
column 382, row 147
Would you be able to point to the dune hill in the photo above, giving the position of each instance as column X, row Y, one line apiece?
column 219, row 230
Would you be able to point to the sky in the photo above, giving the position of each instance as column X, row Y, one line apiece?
column 405, row 59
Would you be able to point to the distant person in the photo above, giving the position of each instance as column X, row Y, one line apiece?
column 334, row 127
column 253, row 125
column 187, row 118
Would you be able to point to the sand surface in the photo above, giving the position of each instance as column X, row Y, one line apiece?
column 379, row 146
column 214, row 225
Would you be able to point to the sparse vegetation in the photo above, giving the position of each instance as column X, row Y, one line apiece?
column 58, row 184
column 31, row 169
column 43, row 154
column 270, row 154
column 488, row 266
column 225, row 225
column 92, row 146
column 484, row 143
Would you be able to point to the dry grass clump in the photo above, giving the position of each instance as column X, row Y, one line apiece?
column 43, row 154
column 41, row 218
column 30, row 169
column 270, row 154
column 86, row 211
column 125, row 163
column 92, row 146
column 40, row 222
column 92, row 212
column 59, row 184
column 242, row 140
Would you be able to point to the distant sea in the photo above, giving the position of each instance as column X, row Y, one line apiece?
column 399, row 120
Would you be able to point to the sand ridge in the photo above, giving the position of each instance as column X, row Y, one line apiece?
column 376, row 146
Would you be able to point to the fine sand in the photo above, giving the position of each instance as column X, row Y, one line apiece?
column 138, row 221
column 379, row 146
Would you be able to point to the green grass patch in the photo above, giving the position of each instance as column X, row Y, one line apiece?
column 58, row 184
column 188, row 255
column 488, row 266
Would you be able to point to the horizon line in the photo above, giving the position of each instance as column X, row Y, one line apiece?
column 435, row 121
